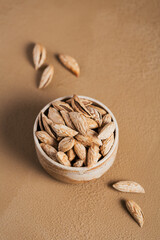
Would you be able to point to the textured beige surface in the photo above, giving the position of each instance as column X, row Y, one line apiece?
column 117, row 44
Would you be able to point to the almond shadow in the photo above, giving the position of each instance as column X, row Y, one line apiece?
column 29, row 52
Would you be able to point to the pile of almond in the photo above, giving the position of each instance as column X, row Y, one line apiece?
column 76, row 132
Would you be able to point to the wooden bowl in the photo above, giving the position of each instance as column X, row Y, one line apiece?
column 76, row 174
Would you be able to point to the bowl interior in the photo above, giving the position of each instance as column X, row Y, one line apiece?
column 77, row 169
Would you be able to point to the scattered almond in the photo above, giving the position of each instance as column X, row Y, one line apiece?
column 70, row 63
column 46, row 76
column 129, row 186
column 136, row 212
column 39, row 55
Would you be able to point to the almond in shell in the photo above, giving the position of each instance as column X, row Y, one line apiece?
column 71, row 155
column 66, row 144
column 106, row 119
column 79, row 122
column 91, row 132
column 92, row 124
column 101, row 110
column 44, row 137
column 129, row 186
column 39, row 55
column 86, row 102
column 46, row 123
column 70, row 63
column 93, row 155
column 136, row 212
column 88, row 140
column 46, row 76
column 78, row 163
column 63, row 131
column 80, row 150
column 107, row 131
column 96, row 115
column 49, row 150
column 107, row 144
column 60, row 105
column 67, row 119
column 63, row 159
column 54, row 115
column 78, row 106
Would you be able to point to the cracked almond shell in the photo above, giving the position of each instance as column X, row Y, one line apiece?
column 67, row 119
column 39, row 55
column 60, row 105
column 46, row 77
column 46, row 123
column 78, row 106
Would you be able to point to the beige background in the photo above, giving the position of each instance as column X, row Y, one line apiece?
column 117, row 44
